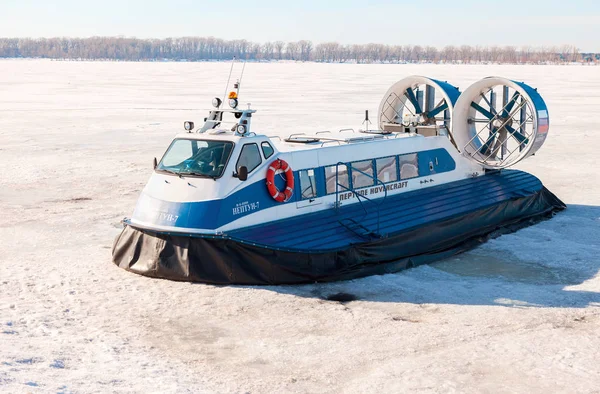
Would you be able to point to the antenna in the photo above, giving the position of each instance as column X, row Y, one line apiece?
column 228, row 79
column 367, row 122
column 239, row 82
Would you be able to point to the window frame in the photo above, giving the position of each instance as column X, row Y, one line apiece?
column 197, row 176
column 240, row 156
column 327, row 193
column 400, row 168
column 373, row 170
column 396, row 168
column 315, row 188
column 263, row 150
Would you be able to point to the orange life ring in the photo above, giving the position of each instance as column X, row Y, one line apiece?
column 280, row 165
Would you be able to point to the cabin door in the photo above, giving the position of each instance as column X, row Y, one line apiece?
column 306, row 190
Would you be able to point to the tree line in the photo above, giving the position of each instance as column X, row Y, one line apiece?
column 211, row 48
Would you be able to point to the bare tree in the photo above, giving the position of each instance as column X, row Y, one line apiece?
column 466, row 54
column 305, row 48
column 449, row 54
column 431, row 54
column 327, row 52
column 417, row 54
column 569, row 54
column 279, row 46
column 268, row 48
column 291, row 50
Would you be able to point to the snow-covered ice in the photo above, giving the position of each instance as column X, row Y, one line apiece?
column 518, row 314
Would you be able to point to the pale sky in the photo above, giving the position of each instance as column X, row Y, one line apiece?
column 430, row 22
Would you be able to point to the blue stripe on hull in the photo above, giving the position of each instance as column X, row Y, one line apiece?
column 322, row 230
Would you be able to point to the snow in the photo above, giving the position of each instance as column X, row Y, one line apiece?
column 518, row 314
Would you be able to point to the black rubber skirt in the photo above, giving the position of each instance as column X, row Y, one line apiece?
column 226, row 260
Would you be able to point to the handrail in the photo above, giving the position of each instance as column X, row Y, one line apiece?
column 323, row 132
column 348, row 129
column 291, row 135
column 327, row 141
column 376, row 132
column 358, row 195
column 274, row 136
column 368, row 233
column 369, row 137
column 319, row 138
column 401, row 134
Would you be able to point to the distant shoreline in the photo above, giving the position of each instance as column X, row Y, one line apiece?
column 211, row 49
column 295, row 61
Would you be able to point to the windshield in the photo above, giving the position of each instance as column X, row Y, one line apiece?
column 196, row 157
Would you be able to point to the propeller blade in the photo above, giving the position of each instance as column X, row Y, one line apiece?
column 517, row 135
column 488, row 102
column 437, row 110
column 510, row 105
column 413, row 99
column 490, row 141
column 482, row 110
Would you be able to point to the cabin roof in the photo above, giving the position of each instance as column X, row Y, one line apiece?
column 220, row 135
column 299, row 141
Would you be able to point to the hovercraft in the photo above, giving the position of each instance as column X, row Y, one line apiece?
column 226, row 205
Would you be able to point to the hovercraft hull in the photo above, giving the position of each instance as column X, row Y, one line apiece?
column 420, row 227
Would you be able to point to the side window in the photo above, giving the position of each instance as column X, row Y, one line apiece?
column 249, row 157
column 358, row 178
column 267, row 149
column 342, row 178
column 308, row 187
column 386, row 169
column 409, row 166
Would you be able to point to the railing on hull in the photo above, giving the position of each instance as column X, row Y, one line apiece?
column 359, row 196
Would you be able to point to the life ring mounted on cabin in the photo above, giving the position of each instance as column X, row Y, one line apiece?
column 280, row 165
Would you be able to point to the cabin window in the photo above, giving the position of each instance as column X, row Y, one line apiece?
column 203, row 158
column 249, row 157
column 179, row 151
column 267, row 149
column 386, row 169
column 308, row 186
column 409, row 166
column 342, row 178
column 362, row 174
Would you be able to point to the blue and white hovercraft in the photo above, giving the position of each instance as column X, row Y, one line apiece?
column 226, row 205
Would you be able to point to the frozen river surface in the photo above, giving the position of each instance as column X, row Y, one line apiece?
column 518, row 314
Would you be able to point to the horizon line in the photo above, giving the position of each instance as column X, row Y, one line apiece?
column 121, row 36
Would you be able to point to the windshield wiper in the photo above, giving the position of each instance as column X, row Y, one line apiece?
column 198, row 174
column 171, row 172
